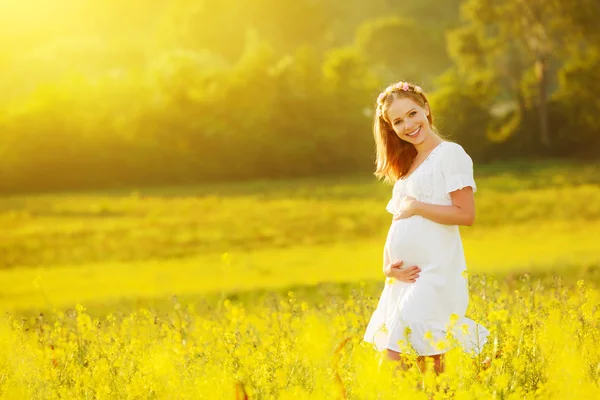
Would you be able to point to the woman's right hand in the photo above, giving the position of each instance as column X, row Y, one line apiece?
column 406, row 274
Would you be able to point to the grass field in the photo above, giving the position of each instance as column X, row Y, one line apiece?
column 217, row 287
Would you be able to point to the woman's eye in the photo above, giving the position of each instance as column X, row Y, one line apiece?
column 397, row 122
column 413, row 113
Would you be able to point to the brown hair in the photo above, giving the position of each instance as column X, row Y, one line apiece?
column 394, row 155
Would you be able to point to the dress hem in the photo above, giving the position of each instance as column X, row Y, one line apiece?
column 484, row 342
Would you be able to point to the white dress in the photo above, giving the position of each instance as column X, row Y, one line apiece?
column 428, row 317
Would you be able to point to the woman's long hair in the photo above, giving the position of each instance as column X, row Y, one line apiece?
column 394, row 155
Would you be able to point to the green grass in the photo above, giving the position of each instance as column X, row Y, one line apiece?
column 59, row 249
column 514, row 250
column 82, row 228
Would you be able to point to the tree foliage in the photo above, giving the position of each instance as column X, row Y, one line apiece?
column 518, row 48
column 109, row 93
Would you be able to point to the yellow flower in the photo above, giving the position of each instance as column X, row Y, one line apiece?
column 441, row 345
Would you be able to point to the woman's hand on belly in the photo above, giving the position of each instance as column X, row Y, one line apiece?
column 403, row 274
column 407, row 208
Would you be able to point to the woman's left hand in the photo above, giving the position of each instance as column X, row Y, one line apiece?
column 408, row 208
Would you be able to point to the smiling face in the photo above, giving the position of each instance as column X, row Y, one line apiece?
column 409, row 120
column 402, row 128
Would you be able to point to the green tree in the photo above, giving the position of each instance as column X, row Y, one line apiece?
column 402, row 49
column 461, row 111
column 517, row 45
column 575, row 106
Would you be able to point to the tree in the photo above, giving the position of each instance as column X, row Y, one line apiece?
column 401, row 49
column 460, row 111
column 575, row 106
column 517, row 44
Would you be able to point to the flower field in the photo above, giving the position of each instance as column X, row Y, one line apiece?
column 263, row 291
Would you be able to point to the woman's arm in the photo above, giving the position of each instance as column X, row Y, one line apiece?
column 461, row 212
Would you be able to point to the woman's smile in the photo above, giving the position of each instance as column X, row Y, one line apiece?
column 414, row 133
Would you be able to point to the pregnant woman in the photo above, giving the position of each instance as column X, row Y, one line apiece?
column 425, row 297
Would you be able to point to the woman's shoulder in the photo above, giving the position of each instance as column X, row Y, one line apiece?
column 450, row 146
column 453, row 150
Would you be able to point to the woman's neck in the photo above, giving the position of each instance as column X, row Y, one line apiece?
column 431, row 141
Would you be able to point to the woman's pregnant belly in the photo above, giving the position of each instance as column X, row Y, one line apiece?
column 419, row 241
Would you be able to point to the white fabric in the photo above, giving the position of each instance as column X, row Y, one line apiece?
column 434, row 306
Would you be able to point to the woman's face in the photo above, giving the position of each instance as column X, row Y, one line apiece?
column 409, row 120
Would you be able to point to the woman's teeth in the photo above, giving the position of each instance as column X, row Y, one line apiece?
column 414, row 133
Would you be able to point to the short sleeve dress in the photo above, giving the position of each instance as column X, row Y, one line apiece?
column 428, row 317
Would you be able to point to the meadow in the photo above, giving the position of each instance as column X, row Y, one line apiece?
column 265, row 288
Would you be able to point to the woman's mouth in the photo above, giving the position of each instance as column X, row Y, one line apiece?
column 414, row 133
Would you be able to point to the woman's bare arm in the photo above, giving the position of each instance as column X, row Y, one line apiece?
column 461, row 212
